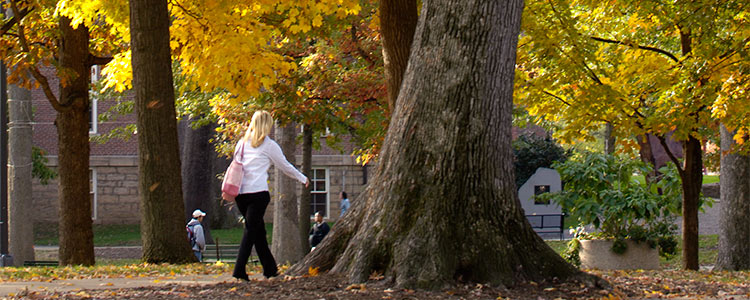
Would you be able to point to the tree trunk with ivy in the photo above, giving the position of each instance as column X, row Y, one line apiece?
column 734, row 235
column 160, row 184
column 76, row 232
column 442, row 206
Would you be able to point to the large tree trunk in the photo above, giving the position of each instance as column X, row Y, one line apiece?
column 286, row 247
column 443, row 205
column 398, row 20
column 162, row 211
column 197, row 173
column 692, row 179
column 76, row 233
column 19, row 175
column 305, row 211
column 734, row 236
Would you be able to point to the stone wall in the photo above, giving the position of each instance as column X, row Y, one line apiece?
column 117, row 191
column 117, row 188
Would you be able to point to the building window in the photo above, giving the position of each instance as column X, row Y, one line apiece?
column 92, row 192
column 93, row 96
column 538, row 190
column 319, row 182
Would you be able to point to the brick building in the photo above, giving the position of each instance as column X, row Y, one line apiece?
column 114, row 169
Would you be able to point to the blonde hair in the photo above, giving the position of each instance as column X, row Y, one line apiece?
column 260, row 127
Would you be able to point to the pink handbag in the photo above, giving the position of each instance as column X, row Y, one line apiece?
column 233, row 176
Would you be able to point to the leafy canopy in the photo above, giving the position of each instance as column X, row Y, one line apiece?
column 644, row 66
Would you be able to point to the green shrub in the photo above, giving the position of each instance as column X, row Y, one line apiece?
column 599, row 190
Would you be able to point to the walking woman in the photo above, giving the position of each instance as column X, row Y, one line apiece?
column 258, row 152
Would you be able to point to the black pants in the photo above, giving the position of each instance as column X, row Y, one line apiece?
column 253, row 207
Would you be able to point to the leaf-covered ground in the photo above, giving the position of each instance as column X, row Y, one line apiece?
column 624, row 285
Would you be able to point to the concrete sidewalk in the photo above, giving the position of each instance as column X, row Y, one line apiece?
column 20, row 288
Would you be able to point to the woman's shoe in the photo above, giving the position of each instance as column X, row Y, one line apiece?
column 272, row 275
column 241, row 278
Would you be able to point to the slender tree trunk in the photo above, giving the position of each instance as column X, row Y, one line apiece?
column 76, row 233
column 609, row 139
column 692, row 179
column 734, row 235
column 226, row 214
column 306, row 198
column 398, row 20
column 286, row 247
column 19, row 175
column 646, row 153
column 162, row 210
column 197, row 154
column 443, row 205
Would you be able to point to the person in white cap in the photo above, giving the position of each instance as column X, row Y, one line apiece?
column 195, row 234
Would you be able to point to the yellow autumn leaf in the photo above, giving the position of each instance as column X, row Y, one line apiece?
column 312, row 271
column 317, row 21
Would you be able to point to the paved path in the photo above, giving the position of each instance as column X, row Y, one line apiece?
column 20, row 288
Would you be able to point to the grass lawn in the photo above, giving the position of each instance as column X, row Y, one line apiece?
column 130, row 235
column 104, row 235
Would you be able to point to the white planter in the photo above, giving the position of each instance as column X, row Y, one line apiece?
column 597, row 254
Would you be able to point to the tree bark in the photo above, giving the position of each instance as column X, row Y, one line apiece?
column 692, row 179
column 734, row 233
column 442, row 205
column 305, row 211
column 197, row 173
column 19, row 175
column 609, row 139
column 286, row 247
column 162, row 211
column 646, row 153
column 398, row 20
column 76, row 233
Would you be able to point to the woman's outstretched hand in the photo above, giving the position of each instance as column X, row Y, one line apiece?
column 307, row 182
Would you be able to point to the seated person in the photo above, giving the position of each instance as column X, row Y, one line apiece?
column 318, row 230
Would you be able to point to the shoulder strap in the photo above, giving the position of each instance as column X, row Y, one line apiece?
column 241, row 150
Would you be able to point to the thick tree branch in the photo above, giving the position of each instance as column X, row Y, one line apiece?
column 649, row 48
column 94, row 60
column 32, row 67
column 7, row 26
column 672, row 157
